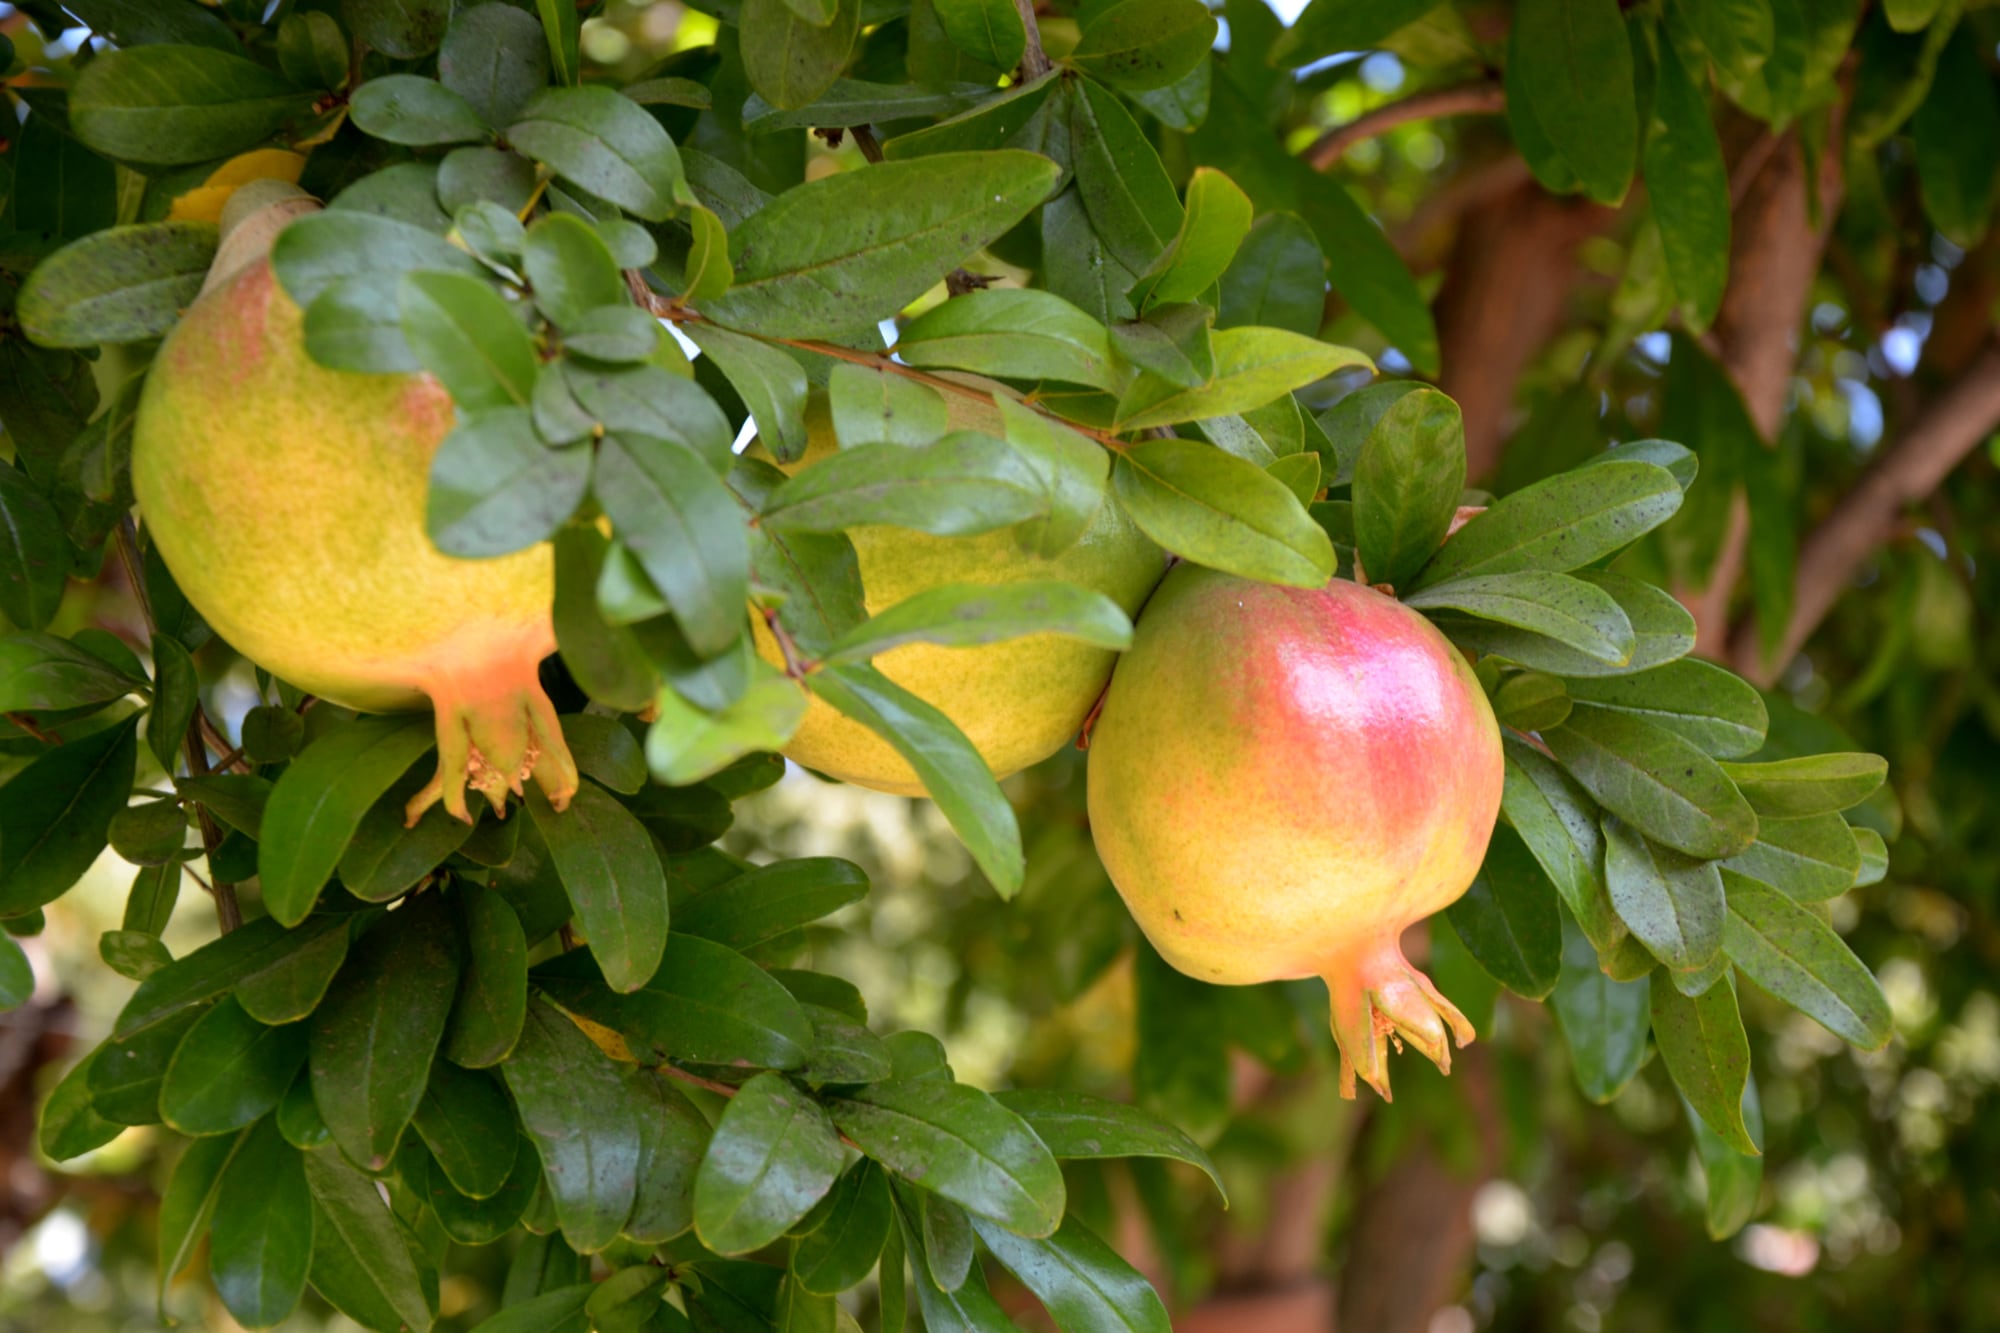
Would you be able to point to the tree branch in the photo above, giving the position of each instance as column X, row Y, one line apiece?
column 1034, row 61
column 1952, row 427
column 1469, row 99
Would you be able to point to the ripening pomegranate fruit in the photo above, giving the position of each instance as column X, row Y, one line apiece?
column 288, row 500
column 1282, row 780
column 1018, row 701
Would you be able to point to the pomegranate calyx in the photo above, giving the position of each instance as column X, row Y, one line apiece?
column 1379, row 997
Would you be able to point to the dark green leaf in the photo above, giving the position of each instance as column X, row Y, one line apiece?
column 1662, row 631
column 492, row 996
column 242, row 956
column 55, row 814
column 958, row 1142
column 605, row 144
column 17, row 979
column 673, row 1136
column 842, row 1249
column 946, row 762
column 791, row 60
column 649, row 401
column 126, row 1073
column 466, row 335
column 117, row 286
column 965, row 483
column 262, row 1243
column 906, row 224
column 33, row 558
column 42, row 672
column 685, row 527
column 1661, row 784
column 472, row 1221
column 763, row 904
column 773, row 1156
column 188, row 1204
column 1688, row 184
column 605, row 660
column 364, row 1260
column 228, row 1071
column 374, row 1036
column 389, row 856
column 990, row 31
column 771, row 383
column 1672, row 903
column 1570, row 520
column 496, row 488
column 1809, row 785
column 1330, row 26
column 1713, row 708
column 1509, row 920
column 1140, row 44
column 1120, row 179
column 1794, row 954
column 577, row 1107
column 1220, row 511
column 1703, row 1047
column 1957, row 133
column 612, row 874
column 494, row 57
column 1604, row 1022
column 1082, row 1281
column 1576, row 64
column 405, row 109
column 571, row 269
column 1078, row 1125
column 165, row 105
column 320, row 801
column 467, row 1123
column 1277, row 279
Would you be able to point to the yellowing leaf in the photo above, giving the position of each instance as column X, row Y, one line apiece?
column 204, row 202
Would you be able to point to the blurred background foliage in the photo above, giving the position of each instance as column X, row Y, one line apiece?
column 1499, row 1199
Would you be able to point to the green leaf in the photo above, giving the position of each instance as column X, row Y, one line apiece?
column 763, row 904
column 561, row 1309
column 577, row 1107
column 605, row 750
column 1277, row 278
column 188, row 1204
column 950, row 768
column 486, row 1015
column 1253, row 366
column 42, row 672
column 570, row 268
column 364, row 1260
column 612, row 874
column 406, row 109
column 875, row 407
column 961, row 615
column 1604, row 1022
column 1014, row 333
column 290, row 984
column 905, row 225
column 1217, row 510
column 649, row 401
column 686, row 528
column 126, row 1075
column 1576, row 614
column 496, row 488
column 1810, row 785
column 1509, row 920
column 262, row 1244
column 1699, row 701
column 1662, row 631
column 1793, row 953
column 1120, row 179
column 990, row 31
column 166, row 105
column 1733, row 1181
column 1678, row 459
column 495, row 59
column 472, row 1221
column 466, row 335
column 774, row 1155
column 1216, row 219
column 605, row 144
column 1565, row 522
column 1957, row 133
column 319, row 802
column 617, row 334
column 1140, row 44
column 55, row 814
column 843, row 1248
column 965, row 483
column 34, row 561
column 17, row 978
column 687, row 745
column 771, row 383
column 298, row 1117
column 562, row 26
column 707, row 1003
column 1083, row 1283
column 1672, row 903
column 1576, row 65
column 467, row 1123
column 673, row 1136
column 1702, row 1044
column 388, row 856
column 375, row 1034
column 118, row 286
column 1327, row 27
column 220, row 966
column 1531, row 701
column 1076, row 1125
column 1660, row 784
column 228, row 1071
column 791, row 60
column 958, row 1142
column 946, row 1231
column 1809, row 860
column 1687, row 182
column 1073, row 471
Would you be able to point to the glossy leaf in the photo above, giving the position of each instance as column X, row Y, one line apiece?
column 1699, row 701
column 1702, row 1044
column 1015, row 333
column 605, row 144
column 612, row 875
column 842, row 1249
column 1509, row 920
column 32, row 572
column 364, row 1260
column 1576, row 64
column 1078, row 1125
column 57, row 814
column 228, row 1071
column 774, row 1155
column 1673, row 903
column 1216, row 219
column 262, row 1243
column 1084, row 1283
column 672, row 1138
column 1809, row 785
column 1568, row 610
column 1570, row 520
column 1792, row 953
column 188, row 1205
column 763, row 904
column 1253, row 366
column 571, row 268
column 486, row 1015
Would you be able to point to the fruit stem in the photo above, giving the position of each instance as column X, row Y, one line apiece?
column 1379, row 998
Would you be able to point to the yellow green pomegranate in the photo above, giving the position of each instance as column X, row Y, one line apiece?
column 1018, row 701
column 1282, row 780
column 288, row 500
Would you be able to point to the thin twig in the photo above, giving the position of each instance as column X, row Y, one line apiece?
column 864, row 139
column 795, row 665
column 1470, row 99
column 1034, row 60
column 227, row 911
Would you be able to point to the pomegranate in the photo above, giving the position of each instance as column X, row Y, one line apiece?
column 288, row 501
column 1282, row 780
column 1018, row 701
